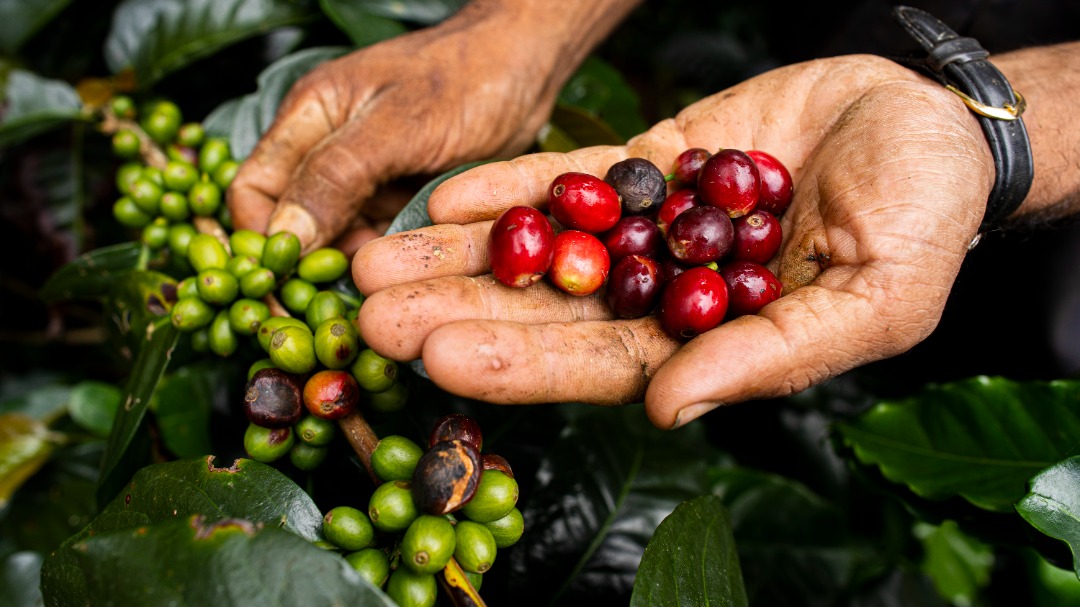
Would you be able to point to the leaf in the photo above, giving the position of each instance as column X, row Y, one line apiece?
column 691, row 560
column 423, row 12
column 20, row 20
column 25, row 445
column 91, row 275
column 118, row 463
column 980, row 438
column 577, row 128
column 600, row 90
column 157, row 37
column 1052, row 504
column 34, row 105
column 93, row 406
column 19, row 575
column 958, row 565
column 363, row 27
column 40, row 396
column 184, row 401
column 181, row 489
column 243, row 121
column 137, row 299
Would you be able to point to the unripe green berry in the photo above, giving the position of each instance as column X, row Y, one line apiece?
column 324, row 306
column 296, row 294
column 205, row 252
column 129, row 215
column 214, row 151
column 217, row 286
column 146, row 194
column 508, row 529
column 174, row 206
column 127, row 174
column 391, row 507
column 390, row 401
column 293, row 349
column 122, row 106
column 155, row 175
column 156, row 235
column 348, row 528
column 306, row 457
column 475, row 546
column 316, row 431
column 204, row 198
column 179, row 176
column 322, row 265
column 257, row 283
column 160, row 126
column 281, row 253
column 200, row 340
column 374, row 373
column 191, row 135
column 336, row 343
column 266, row 444
column 410, row 589
column 190, row 313
column 267, row 328
column 247, row 243
column 262, row 363
column 246, row 315
column 428, row 544
column 394, row 458
column 372, row 564
column 188, row 287
column 125, row 143
column 240, row 265
column 225, row 173
column 475, row 579
column 223, row 340
column 495, row 497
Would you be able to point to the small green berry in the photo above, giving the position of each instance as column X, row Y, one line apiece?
column 315, row 431
column 374, row 373
column 495, row 497
column 267, row 444
column 372, row 564
column 394, row 458
column 508, row 529
column 125, row 143
column 475, row 546
column 428, row 544
column 322, row 265
column 348, row 528
column 391, row 507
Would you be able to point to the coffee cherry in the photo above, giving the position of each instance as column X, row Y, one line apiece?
column 262, row 363
column 125, row 143
column 322, row 265
column 428, row 544
column 508, row 529
column 273, row 399
column 675, row 203
column 751, row 286
column 205, row 252
column 583, row 202
column 174, row 206
column 475, row 547
column 162, row 123
column 306, row 457
column 246, row 315
column 372, row 564
column 156, row 235
column 180, row 235
column 729, row 181
column 693, row 302
column 688, row 165
column 640, row 185
column 635, row 286
column 392, row 400
column 293, row 349
column 757, row 237
column 127, row 174
column 182, row 153
column 324, row 306
column 391, row 507
column 410, row 589
column 240, row 265
column 348, row 528
column 520, row 246
column 191, row 135
column 204, row 198
column 146, row 195
column 776, row 187
column 336, row 344
column 456, row 426
column 315, row 431
column 200, row 340
column 213, row 152
column 129, row 215
column 700, row 235
column 395, row 457
column 492, row 461
column 248, row 243
column 223, row 340
column 633, row 235
column 224, row 174
column 190, row 313
column 296, row 294
column 495, row 496
column 268, row 326
column 257, row 283
column 122, row 106
column 579, row 263
column 330, row 394
column 446, row 477
column 217, row 286
column 281, row 253
column 188, row 287
column 267, row 444
column 179, row 176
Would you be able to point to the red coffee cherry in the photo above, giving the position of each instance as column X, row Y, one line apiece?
column 757, row 236
column 520, row 246
column 730, row 182
column 687, row 166
column 693, row 302
column 750, row 287
column 675, row 203
column 583, row 202
column 579, row 263
column 633, row 235
column 776, row 187
column 331, row 394
column 700, row 235
column 634, row 286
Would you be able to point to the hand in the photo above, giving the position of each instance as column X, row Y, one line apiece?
column 891, row 177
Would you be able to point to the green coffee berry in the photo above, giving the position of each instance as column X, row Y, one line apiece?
column 180, row 153
column 191, row 135
column 204, row 198
column 179, row 176
column 156, row 235
column 336, row 343
column 257, row 283
column 391, row 400
column 163, row 122
column 391, row 507
column 246, row 315
column 240, row 265
column 324, row 306
column 293, row 349
column 508, row 529
column 247, row 243
column 372, row 564
column 348, row 528
column 394, row 458
column 373, row 372
column 306, row 457
column 190, row 313
column 223, row 340
column 428, row 544
column 205, row 252
column 262, row 363
column 322, row 265
column 475, row 546
column 495, row 497
column 146, row 194
column 125, row 143
column 267, row 444
column 296, row 294
column 153, row 174
column 224, row 217
column 122, row 106
column 225, row 173
column 214, row 151
column 129, row 215
column 315, row 431
column 174, row 206
column 188, row 287
column 217, row 286
column 409, row 589
column 200, row 340
column 267, row 328
column 127, row 174
column 281, row 253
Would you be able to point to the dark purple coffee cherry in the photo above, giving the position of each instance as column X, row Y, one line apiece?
column 634, row 286
column 640, row 185
column 633, row 235
column 273, row 399
column 700, row 235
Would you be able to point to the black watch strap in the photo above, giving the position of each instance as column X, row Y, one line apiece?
column 961, row 64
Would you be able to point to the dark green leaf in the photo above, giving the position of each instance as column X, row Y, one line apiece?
column 184, row 400
column 157, row 37
column 414, row 215
column 118, row 464
column 137, row 299
column 93, row 406
column 19, row 579
column 243, row 121
column 572, row 128
column 20, row 20
column 92, row 274
column 43, row 397
column 980, row 438
column 25, row 445
column 423, row 12
column 600, row 90
column 1053, row 504
column 33, row 105
column 363, row 28
column 958, row 564
column 691, row 560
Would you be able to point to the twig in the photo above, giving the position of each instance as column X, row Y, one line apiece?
column 362, row 438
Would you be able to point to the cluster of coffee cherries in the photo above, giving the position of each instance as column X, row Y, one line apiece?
column 445, row 502
column 690, row 246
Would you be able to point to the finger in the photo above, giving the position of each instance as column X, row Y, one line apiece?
column 432, row 252
column 396, row 321
column 599, row 362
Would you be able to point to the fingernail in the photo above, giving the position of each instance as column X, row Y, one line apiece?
column 297, row 220
column 691, row 412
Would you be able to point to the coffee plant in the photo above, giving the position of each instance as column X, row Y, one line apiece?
column 188, row 414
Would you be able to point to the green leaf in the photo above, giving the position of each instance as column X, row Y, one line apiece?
column 41, row 396
column 120, row 460
column 243, row 121
column 157, row 37
column 691, row 560
column 93, row 406
column 19, row 579
column 137, row 299
column 20, row 20
column 25, row 445
column 34, row 105
column 980, row 438
column 362, row 27
column 958, row 564
column 181, row 489
column 414, row 215
column 183, row 403
column 423, row 12
column 600, row 90
column 91, row 275
column 1053, row 504
column 571, row 128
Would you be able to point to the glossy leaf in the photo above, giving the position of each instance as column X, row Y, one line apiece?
column 33, row 104
column 600, row 90
column 20, row 20
column 1053, row 504
column 571, row 128
column 423, row 12
column 691, row 560
column 137, row 300
column 243, row 121
column 157, row 37
column 25, row 445
column 183, row 403
column 93, row 406
column 959, row 565
column 91, row 275
column 41, row 396
column 362, row 26
column 980, row 439
column 19, row 579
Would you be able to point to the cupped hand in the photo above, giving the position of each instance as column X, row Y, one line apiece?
column 891, row 177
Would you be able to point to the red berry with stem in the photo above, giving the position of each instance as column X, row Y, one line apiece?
column 579, row 264
column 687, row 166
column 633, row 235
column 693, row 302
column 751, row 286
column 700, row 235
column 776, row 187
column 634, row 286
column 675, row 203
column 520, row 246
column 583, row 202
column 757, row 236
column 729, row 181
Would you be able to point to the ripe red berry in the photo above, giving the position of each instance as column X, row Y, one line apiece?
column 634, row 286
column 687, row 166
column 633, row 235
column 693, row 302
column 331, row 394
column 675, row 203
column 757, row 236
column 729, row 181
column 776, row 187
column 750, row 287
column 579, row 264
column 583, row 202
column 700, row 235
column 520, row 246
